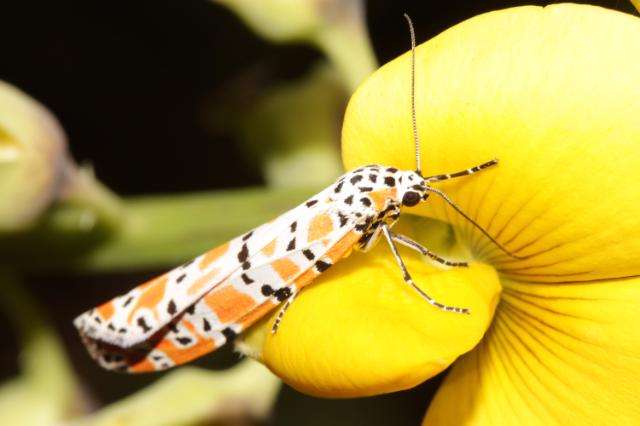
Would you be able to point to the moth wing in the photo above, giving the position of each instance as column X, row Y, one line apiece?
column 320, row 240
column 134, row 317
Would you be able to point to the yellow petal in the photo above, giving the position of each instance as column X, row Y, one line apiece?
column 561, row 353
column 554, row 93
column 360, row 330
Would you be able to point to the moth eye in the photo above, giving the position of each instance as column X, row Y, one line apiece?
column 411, row 198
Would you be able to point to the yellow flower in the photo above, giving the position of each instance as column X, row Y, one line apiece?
column 554, row 93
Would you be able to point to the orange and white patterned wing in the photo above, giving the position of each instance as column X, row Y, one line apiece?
column 134, row 317
column 291, row 260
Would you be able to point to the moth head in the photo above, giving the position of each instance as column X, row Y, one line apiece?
column 412, row 189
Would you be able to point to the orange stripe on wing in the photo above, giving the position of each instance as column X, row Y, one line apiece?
column 152, row 295
column 320, row 226
column 213, row 255
column 229, row 304
column 180, row 355
column 202, row 281
column 305, row 278
column 380, row 197
column 143, row 365
column 269, row 248
column 343, row 247
column 285, row 268
column 106, row 310
column 253, row 316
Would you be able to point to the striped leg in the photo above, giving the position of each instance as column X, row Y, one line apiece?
column 408, row 242
column 282, row 310
column 467, row 172
column 407, row 278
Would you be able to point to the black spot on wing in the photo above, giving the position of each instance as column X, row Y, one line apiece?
column 343, row 219
column 229, row 334
column 111, row 327
column 246, row 265
column 291, row 245
column 389, row 181
column 355, row 179
column 206, row 326
column 246, row 279
column 308, row 254
column 293, row 226
column 338, row 187
column 349, row 200
column 392, row 170
column 142, row 323
column 365, row 201
column 247, row 236
column 322, row 266
column 184, row 341
column 171, row 307
column 191, row 309
column 311, row 203
column 266, row 290
column 243, row 254
column 373, row 178
column 365, row 238
column 365, row 189
column 180, row 278
column 282, row 294
column 127, row 302
column 364, row 226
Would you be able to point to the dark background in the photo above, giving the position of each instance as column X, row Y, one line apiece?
column 131, row 82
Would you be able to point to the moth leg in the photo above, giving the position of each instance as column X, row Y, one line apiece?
column 282, row 310
column 408, row 242
column 467, row 172
column 407, row 277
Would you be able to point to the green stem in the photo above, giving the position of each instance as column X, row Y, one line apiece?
column 345, row 41
column 156, row 231
column 94, row 204
column 194, row 396
column 46, row 374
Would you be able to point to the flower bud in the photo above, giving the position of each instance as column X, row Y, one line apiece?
column 33, row 158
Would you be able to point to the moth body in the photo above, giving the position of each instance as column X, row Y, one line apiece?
column 196, row 308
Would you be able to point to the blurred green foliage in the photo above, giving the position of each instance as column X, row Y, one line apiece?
column 57, row 216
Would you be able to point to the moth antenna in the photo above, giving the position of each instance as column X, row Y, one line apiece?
column 416, row 140
column 473, row 222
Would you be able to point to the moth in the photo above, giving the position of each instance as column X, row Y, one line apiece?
column 198, row 307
